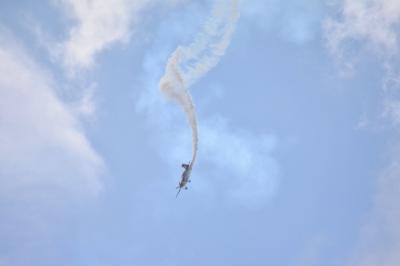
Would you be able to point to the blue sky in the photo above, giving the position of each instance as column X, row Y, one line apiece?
column 298, row 125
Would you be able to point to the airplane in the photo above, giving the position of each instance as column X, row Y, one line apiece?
column 185, row 177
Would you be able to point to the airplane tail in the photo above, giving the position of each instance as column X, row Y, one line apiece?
column 178, row 192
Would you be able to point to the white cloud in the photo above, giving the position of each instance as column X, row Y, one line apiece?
column 44, row 150
column 48, row 168
column 371, row 23
column 365, row 27
column 99, row 24
column 373, row 26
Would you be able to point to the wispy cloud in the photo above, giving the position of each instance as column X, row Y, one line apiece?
column 373, row 22
column 46, row 162
column 372, row 27
column 362, row 27
column 97, row 25
column 43, row 147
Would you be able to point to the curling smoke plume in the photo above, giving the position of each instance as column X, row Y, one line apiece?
column 189, row 63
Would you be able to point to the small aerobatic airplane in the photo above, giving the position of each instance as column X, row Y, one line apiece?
column 185, row 177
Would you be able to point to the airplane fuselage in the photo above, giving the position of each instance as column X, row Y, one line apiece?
column 185, row 177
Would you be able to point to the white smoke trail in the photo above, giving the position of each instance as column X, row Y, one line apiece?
column 189, row 63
